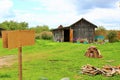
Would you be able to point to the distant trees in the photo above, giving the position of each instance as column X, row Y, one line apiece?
column 13, row 25
column 101, row 31
column 39, row 29
column 43, row 32
column 111, row 35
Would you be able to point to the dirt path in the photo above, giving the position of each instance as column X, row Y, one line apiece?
column 7, row 61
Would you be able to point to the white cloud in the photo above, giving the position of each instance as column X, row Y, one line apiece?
column 117, row 4
column 58, row 5
column 5, row 6
column 65, row 12
column 109, row 18
column 57, row 12
column 52, row 20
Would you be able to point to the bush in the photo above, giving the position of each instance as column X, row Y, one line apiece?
column 46, row 35
column 112, row 36
column 37, row 36
column 101, row 31
column 100, row 41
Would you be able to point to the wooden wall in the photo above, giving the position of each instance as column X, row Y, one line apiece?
column 58, row 35
column 83, row 30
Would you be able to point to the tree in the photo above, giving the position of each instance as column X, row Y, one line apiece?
column 13, row 25
column 42, row 32
column 39, row 29
column 112, row 36
column 101, row 31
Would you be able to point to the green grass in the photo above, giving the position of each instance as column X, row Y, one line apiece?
column 55, row 60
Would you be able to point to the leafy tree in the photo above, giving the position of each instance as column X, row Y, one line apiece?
column 13, row 25
column 39, row 29
column 43, row 32
column 101, row 31
column 112, row 36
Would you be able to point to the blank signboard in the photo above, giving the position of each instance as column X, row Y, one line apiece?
column 27, row 37
column 19, row 38
column 13, row 39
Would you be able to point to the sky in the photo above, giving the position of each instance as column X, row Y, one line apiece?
column 53, row 13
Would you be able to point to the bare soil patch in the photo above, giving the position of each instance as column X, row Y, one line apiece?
column 7, row 61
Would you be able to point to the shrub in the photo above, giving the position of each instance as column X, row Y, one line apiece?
column 37, row 36
column 101, row 31
column 100, row 41
column 46, row 35
column 112, row 36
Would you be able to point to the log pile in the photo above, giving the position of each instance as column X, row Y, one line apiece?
column 93, row 52
column 90, row 70
column 105, row 70
column 110, row 70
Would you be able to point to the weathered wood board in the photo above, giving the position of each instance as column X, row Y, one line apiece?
column 18, row 38
column 5, row 39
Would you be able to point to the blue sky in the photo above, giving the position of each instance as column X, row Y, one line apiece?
column 65, row 12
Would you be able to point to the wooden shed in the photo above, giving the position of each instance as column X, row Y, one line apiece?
column 81, row 29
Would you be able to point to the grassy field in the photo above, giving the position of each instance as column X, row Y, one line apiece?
column 54, row 61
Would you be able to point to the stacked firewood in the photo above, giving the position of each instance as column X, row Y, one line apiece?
column 90, row 70
column 93, row 52
column 106, row 70
column 110, row 70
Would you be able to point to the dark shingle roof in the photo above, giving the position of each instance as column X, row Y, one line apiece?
column 82, row 19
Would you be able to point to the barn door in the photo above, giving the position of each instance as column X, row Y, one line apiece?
column 71, row 35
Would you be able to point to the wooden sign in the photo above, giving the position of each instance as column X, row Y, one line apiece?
column 5, row 39
column 18, row 38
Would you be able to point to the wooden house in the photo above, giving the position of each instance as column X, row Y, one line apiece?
column 81, row 29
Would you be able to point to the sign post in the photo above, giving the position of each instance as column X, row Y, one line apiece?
column 20, row 62
column 17, row 39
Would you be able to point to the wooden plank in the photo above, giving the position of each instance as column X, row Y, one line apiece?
column 13, row 39
column 19, row 38
column 5, row 39
column 27, row 37
column 71, row 35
